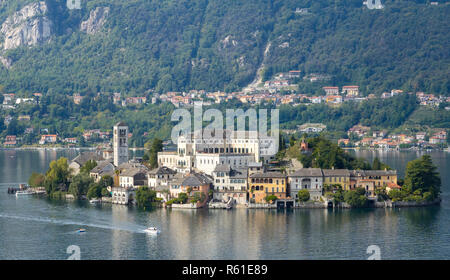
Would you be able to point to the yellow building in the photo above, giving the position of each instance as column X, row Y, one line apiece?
column 262, row 185
column 381, row 178
column 339, row 177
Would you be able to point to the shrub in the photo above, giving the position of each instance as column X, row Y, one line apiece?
column 303, row 195
column 105, row 193
column 354, row 199
column 427, row 196
column 182, row 198
column 271, row 198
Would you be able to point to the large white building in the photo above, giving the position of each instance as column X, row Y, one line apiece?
column 237, row 149
column 120, row 143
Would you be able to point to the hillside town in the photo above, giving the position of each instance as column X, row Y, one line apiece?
column 278, row 91
column 365, row 137
column 234, row 172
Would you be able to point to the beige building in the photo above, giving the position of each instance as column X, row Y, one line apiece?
column 230, row 184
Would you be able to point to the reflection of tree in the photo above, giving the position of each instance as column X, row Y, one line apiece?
column 422, row 217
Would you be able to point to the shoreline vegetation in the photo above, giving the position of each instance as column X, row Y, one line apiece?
column 60, row 147
column 420, row 187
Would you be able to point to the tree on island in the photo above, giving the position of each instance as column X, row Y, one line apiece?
column 94, row 191
column 97, row 190
column 356, row 198
column 327, row 155
column 145, row 196
column 36, row 180
column 272, row 198
column 422, row 182
column 378, row 165
column 303, row 195
column 80, row 185
column 421, row 175
column 152, row 155
column 57, row 176
column 106, row 181
column 88, row 166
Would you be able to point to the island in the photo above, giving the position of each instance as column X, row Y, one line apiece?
column 311, row 172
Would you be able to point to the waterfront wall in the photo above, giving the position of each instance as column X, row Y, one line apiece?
column 185, row 206
column 261, row 206
column 311, row 205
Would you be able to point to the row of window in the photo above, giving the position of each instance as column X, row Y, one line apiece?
column 273, row 189
column 267, row 181
column 230, row 188
column 227, row 150
column 241, row 163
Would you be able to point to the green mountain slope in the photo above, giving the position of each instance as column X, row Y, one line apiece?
column 170, row 45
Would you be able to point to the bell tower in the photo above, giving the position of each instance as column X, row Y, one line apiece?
column 120, row 140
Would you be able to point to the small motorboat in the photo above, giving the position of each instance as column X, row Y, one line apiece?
column 152, row 230
column 81, row 230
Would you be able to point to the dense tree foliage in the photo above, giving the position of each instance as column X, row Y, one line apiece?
column 88, row 166
column 421, row 175
column 151, row 154
column 356, row 198
column 378, row 165
column 303, row 195
column 80, row 185
column 145, row 197
column 327, row 155
column 384, row 113
column 57, row 176
column 219, row 45
column 36, row 180
column 422, row 182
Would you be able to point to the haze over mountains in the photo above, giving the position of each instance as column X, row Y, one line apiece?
column 134, row 46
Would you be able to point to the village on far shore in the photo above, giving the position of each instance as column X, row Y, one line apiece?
column 231, row 170
column 280, row 90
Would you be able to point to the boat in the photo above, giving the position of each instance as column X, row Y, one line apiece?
column 94, row 201
column 152, row 230
column 81, row 230
column 25, row 192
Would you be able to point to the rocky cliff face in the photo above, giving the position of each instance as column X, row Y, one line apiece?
column 6, row 62
column 27, row 27
column 97, row 19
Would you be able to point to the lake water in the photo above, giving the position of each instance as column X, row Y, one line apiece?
column 33, row 228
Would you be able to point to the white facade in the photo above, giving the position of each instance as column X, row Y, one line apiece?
column 203, row 153
column 120, row 139
column 206, row 162
column 126, row 181
column 122, row 196
column 160, row 177
column 230, row 184
column 310, row 179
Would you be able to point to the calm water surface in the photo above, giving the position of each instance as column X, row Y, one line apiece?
column 32, row 228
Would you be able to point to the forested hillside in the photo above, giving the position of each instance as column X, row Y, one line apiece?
column 169, row 45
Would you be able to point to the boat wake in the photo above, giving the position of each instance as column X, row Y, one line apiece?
column 71, row 222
